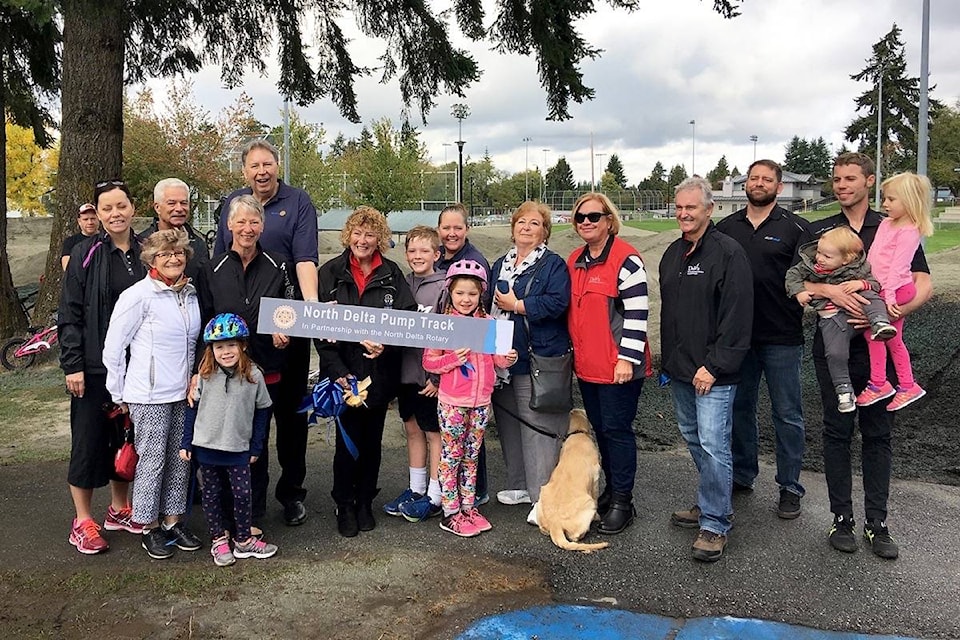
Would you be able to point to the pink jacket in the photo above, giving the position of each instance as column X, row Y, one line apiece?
column 457, row 389
column 890, row 256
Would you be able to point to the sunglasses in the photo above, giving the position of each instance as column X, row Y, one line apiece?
column 593, row 217
column 109, row 183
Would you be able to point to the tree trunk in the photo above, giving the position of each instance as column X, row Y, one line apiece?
column 94, row 39
column 12, row 318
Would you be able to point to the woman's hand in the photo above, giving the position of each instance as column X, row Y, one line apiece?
column 184, row 455
column 253, row 459
column 192, row 390
column 280, row 341
column 374, row 349
column 124, row 409
column 623, row 371
column 429, row 390
column 512, row 357
column 75, row 385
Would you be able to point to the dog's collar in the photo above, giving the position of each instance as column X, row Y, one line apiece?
column 573, row 433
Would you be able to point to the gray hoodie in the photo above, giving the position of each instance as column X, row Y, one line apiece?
column 429, row 292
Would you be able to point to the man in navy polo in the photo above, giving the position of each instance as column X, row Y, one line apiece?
column 290, row 232
column 771, row 236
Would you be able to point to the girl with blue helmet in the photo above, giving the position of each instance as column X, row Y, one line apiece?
column 226, row 431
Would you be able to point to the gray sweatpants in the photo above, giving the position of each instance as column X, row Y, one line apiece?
column 837, row 333
column 162, row 479
column 529, row 456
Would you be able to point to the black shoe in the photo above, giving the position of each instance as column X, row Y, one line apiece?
column 741, row 488
column 156, row 542
column 619, row 516
column 365, row 520
column 347, row 520
column 789, row 507
column 877, row 534
column 841, row 534
column 183, row 538
column 294, row 513
column 603, row 502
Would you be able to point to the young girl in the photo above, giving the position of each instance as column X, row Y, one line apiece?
column 226, row 433
column 466, row 383
column 906, row 201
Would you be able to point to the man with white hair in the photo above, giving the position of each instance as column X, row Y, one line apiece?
column 171, row 202
column 706, row 316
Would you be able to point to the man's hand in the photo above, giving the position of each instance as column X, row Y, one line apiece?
column 851, row 286
column 703, row 381
column 280, row 341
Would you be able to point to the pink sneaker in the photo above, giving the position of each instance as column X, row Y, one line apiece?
column 85, row 536
column 905, row 397
column 121, row 521
column 872, row 395
column 481, row 523
column 459, row 525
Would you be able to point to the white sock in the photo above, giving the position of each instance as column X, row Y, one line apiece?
column 434, row 491
column 167, row 527
column 418, row 480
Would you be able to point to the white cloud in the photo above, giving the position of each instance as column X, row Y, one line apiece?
column 781, row 69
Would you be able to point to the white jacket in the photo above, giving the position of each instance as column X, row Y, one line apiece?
column 160, row 326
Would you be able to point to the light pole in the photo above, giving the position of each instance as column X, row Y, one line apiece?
column 879, row 132
column 600, row 155
column 526, row 170
column 460, row 112
column 693, row 158
column 543, row 183
column 445, row 173
column 754, row 139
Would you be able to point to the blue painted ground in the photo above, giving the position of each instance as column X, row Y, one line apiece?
column 563, row 622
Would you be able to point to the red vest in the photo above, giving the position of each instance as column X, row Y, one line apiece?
column 592, row 294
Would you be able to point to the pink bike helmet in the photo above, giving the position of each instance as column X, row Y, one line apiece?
column 469, row 269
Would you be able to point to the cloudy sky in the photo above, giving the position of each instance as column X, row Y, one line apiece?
column 780, row 69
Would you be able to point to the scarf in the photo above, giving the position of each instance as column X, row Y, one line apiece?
column 177, row 285
column 509, row 272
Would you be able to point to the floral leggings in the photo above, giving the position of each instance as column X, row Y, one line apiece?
column 461, row 434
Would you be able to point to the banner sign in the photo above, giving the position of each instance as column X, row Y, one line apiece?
column 386, row 326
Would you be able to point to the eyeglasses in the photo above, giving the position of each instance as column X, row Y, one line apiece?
column 163, row 255
column 593, row 217
column 110, row 183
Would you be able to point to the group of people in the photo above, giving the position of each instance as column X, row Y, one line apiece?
column 154, row 327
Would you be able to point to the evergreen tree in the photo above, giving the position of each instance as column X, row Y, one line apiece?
column 945, row 149
column 560, row 176
column 615, row 168
column 808, row 157
column 899, row 110
column 719, row 173
column 677, row 175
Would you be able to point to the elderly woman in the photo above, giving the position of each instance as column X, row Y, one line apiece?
column 362, row 276
column 608, row 327
column 532, row 289
column 234, row 282
column 158, row 321
column 100, row 268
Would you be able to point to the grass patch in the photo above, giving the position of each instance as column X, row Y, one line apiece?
column 34, row 416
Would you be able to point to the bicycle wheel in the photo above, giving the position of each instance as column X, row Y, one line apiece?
column 8, row 355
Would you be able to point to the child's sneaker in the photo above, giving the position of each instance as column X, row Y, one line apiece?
column 392, row 508
column 420, row 509
column 873, row 394
column 85, row 536
column 846, row 403
column 459, row 525
column 481, row 523
column 877, row 534
column 882, row 330
column 254, row 548
column 121, row 521
column 222, row 555
column 904, row 397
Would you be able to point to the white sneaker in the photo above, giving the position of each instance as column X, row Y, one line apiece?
column 513, row 496
column 532, row 517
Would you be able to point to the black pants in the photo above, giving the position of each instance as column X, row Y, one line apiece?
column 356, row 480
column 876, row 426
column 291, row 426
column 93, row 437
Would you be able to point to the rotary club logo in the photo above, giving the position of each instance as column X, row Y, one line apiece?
column 284, row 317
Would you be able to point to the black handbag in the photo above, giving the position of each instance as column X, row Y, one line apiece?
column 551, row 377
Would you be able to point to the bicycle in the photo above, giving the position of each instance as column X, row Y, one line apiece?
column 20, row 353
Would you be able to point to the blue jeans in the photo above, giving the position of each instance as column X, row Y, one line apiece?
column 611, row 409
column 705, row 424
column 780, row 365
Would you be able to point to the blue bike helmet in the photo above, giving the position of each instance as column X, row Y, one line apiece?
column 225, row 326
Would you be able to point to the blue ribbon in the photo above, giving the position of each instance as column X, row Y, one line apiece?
column 326, row 401
column 466, row 368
